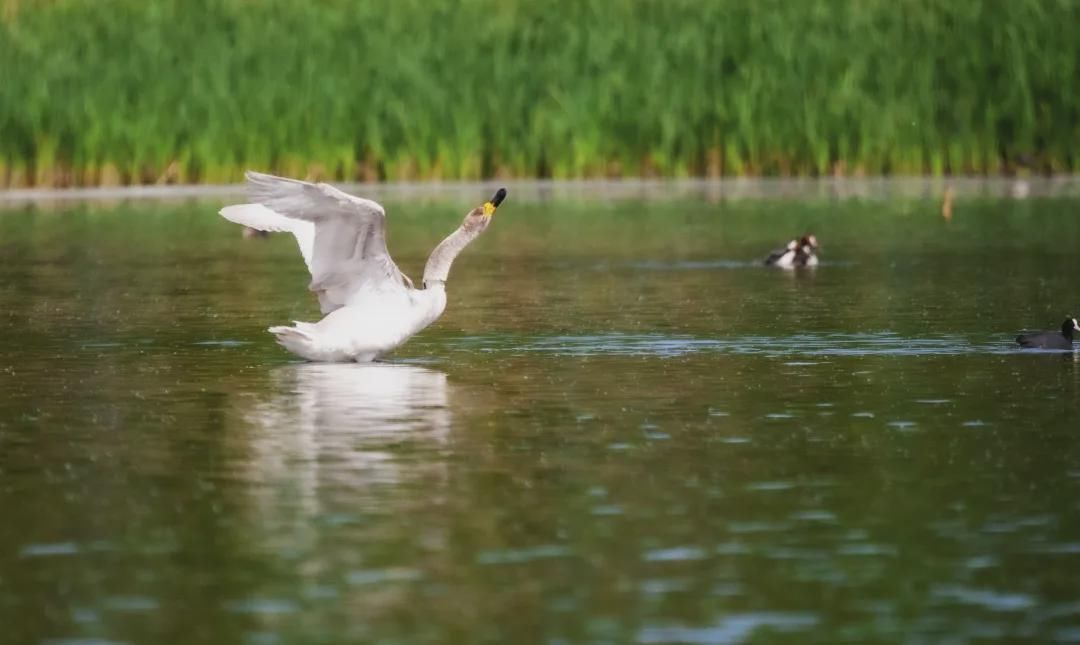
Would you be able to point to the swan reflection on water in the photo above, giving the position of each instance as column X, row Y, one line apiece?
column 346, row 426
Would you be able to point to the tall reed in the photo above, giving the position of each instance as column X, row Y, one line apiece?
column 137, row 91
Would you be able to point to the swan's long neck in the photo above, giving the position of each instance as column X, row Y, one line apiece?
column 438, row 264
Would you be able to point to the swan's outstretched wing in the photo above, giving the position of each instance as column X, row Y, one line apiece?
column 261, row 218
column 348, row 251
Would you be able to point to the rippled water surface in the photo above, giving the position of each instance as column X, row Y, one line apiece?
column 622, row 430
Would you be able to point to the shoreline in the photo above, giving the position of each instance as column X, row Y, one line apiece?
column 613, row 189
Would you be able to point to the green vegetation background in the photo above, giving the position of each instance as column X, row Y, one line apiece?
column 141, row 91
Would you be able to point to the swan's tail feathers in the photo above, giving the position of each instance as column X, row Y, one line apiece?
column 301, row 340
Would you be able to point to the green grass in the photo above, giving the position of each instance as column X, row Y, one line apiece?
column 142, row 91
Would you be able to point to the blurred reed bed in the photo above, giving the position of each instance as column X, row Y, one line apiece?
column 143, row 91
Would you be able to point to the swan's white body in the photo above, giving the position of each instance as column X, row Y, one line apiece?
column 371, row 307
column 371, row 325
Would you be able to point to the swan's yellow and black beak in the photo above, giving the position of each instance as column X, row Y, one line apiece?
column 490, row 206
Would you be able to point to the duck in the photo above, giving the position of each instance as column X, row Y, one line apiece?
column 800, row 252
column 369, row 306
column 1051, row 339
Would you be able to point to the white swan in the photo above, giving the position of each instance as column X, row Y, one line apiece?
column 371, row 307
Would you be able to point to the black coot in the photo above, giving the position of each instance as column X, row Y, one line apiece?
column 1051, row 339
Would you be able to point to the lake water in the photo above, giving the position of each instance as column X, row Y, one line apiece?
column 623, row 429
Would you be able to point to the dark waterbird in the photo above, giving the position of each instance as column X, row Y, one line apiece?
column 1051, row 339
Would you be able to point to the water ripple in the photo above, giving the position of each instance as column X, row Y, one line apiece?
column 131, row 603
column 518, row 556
column 736, row 628
column 698, row 265
column 691, row 265
column 57, row 548
column 380, row 576
column 663, row 345
column 675, row 554
column 262, row 606
column 80, row 641
column 989, row 599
